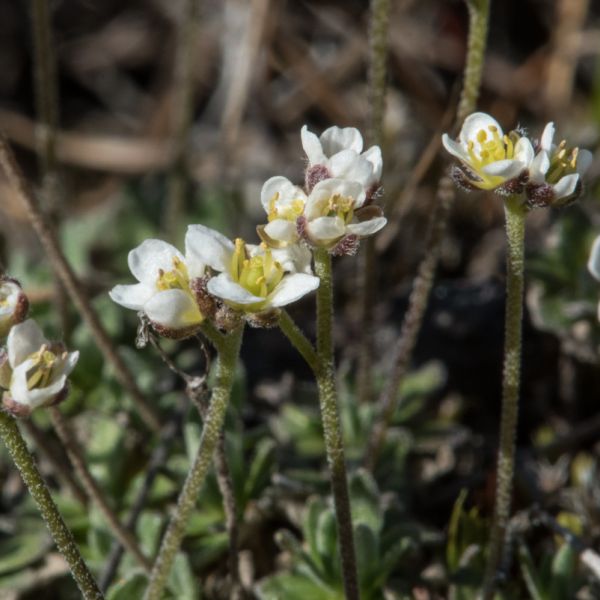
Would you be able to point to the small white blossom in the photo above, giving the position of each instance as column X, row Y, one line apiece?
column 13, row 305
column 332, row 211
column 556, row 170
column 252, row 278
column 34, row 371
column 489, row 157
column 339, row 151
column 164, row 292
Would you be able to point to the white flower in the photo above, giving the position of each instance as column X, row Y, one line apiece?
column 164, row 290
column 251, row 278
column 339, row 150
column 490, row 157
column 283, row 202
column 37, row 369
column 556, row 169
column 13, row 305
column 331, row 209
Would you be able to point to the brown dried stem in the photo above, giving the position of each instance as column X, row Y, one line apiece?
column 55, row 255
column 92, row 488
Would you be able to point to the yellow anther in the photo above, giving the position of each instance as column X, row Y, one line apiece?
column 481, row 136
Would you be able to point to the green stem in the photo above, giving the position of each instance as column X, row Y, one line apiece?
column 515, row 212
column 419, row 296
column 213, row 425
column 298, row 340
column 41, row 495
column 332, row 429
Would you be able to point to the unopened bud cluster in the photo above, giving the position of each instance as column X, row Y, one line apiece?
column 547, row 174
column 33, row 370
column 226, row 281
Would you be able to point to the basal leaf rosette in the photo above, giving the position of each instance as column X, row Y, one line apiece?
column 489, row 159
column 169, row 288
column 555, row 172
column 33, row 371
column 253, row 279
column 337, row 153
column 13, row 304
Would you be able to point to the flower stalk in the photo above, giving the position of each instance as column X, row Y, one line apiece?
column 211, row 432
column 515, row 213
column 41, row 495
column 332, row 429
column 419, row 297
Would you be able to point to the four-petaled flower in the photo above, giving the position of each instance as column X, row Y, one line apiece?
column 33, row 371
column 489, row 158
column 13, row 305
column 165, row 289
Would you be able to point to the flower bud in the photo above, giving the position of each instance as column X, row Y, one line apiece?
column 13, row 305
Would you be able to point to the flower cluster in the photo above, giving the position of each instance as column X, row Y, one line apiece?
column 224, row 280
column 548, row 174
column 33, row 371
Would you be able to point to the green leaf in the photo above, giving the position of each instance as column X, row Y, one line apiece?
column 132, row 586
column 286, row 586
column 182, row 581
column 563, row 573
column 530, row 574
column 23, row 549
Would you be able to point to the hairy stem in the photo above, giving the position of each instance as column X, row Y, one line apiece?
column 515, row 214
column 332, row 429
column 49, row 241
column 378, row 44
column 211, row 432
column 93, row 489
column 419, row 297
column 297, row 338
column 41, row 495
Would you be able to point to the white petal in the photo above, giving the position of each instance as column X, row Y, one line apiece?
column 373, row 155
column 132, row 296
column 312, row 147
column 149, row 257
column 224, row 287
column 275, row 186
column 326, row 229
column 524, row 151
column 282, row 230
column 10, row 292
column 539, row 167
column 351, row 166
column 291, row 288
column 565, row 186
column 584, row 160
column 295, row 258
column 474, row 124
column 24, row 339
column 174, row 309
column 507, row 168
column 594, row 260
column 336, row 139
column 455, row 148
column 547, row 137
column 324, row 190
column 208, row 246
column 37, row 396
column 70, row 362
column 367, row 227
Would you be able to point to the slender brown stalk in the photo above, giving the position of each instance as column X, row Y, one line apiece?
column 93, row 490
column 62, row 536
column 182, row 113
column 47, row 108
column 64, row 270
column 419, row 297
column 156, row 464
column 378, row 45
column 60, row 464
